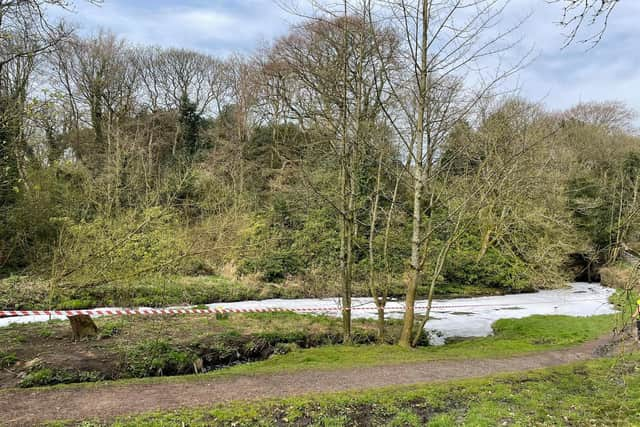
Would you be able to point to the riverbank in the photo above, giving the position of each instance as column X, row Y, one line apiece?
column 237, row 400
column 138, row 346
column 134, row 347
column 451, row 319
column 598, row 393
column 32, row 293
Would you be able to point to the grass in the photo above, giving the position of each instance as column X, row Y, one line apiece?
column 596, row 393
column 583, row 394
column 511, row 337
column 29, row 293
column 7, row 359
column 139, row 346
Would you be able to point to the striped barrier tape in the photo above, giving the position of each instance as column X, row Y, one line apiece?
column 150, row 311
column 220, row 310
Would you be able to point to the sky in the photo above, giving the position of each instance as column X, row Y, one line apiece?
column 558, row 77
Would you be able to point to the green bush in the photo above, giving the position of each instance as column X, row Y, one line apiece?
column 29, row 230
column 117, row 250
column 288, row 240
column 274, row 266
column 50, row 376
column 7, row 359
column 156, row 358
column 494, row 270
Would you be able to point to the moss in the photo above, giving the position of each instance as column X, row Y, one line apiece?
column 49, row 376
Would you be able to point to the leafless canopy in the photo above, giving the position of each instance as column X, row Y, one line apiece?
column 28, row 19
column 578, row 14
column 614, row 116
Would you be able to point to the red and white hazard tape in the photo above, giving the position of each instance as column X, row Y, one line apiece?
column 220, row 310
column 154, row 311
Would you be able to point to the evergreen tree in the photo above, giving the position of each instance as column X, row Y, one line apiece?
column 190, row 123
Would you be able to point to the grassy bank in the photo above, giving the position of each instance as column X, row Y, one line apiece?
column 32, row 293
column 595, row 393
column 134, row 347
column 26, row 293
column 137, row 347
column 511, row 337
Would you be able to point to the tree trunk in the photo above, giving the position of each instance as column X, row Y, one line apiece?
column 486, row 242
column 346, row 279
column 381, row 324
column 380, row 302
column 347, row 195
column 415, row 276
column 416, row 239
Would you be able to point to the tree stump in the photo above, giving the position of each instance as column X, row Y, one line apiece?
column 82, row 326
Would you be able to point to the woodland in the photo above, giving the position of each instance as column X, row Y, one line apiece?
column 373, row 150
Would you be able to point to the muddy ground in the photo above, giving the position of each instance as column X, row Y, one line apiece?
column 134, row 347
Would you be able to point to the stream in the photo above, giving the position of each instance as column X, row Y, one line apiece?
column 468, row 317
column 462, row 317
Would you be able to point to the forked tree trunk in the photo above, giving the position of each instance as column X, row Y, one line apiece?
column 418, row 189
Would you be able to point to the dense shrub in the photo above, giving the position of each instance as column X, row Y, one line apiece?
column 157, row 358
column 289, row 241
column 274, row 266
column 115, row 250
column 28, row 232
column 494, row 270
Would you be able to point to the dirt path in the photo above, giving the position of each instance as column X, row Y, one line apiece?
column 26, row 408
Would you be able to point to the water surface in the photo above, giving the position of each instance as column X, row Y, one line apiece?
column 462, row 317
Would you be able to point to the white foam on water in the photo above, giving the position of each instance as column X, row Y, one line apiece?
column 462, row 317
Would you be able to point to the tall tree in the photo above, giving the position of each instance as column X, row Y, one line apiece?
column 324, row 74
column 26, row 33
column 441, row 39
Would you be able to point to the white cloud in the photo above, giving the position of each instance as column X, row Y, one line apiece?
column 207, row 26
column 563, row 76
column 560, row 77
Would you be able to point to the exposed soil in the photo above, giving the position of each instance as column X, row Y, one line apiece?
column 104, row 402
column 46, row 354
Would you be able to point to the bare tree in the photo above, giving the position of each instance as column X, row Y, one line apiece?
column 26, row 33
column 614, row 116
column 323, row 72
column 100, row 81
column 29, row 18
column 578, row 14
column 443, row 42
column 170, row 75
column 241, row 88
